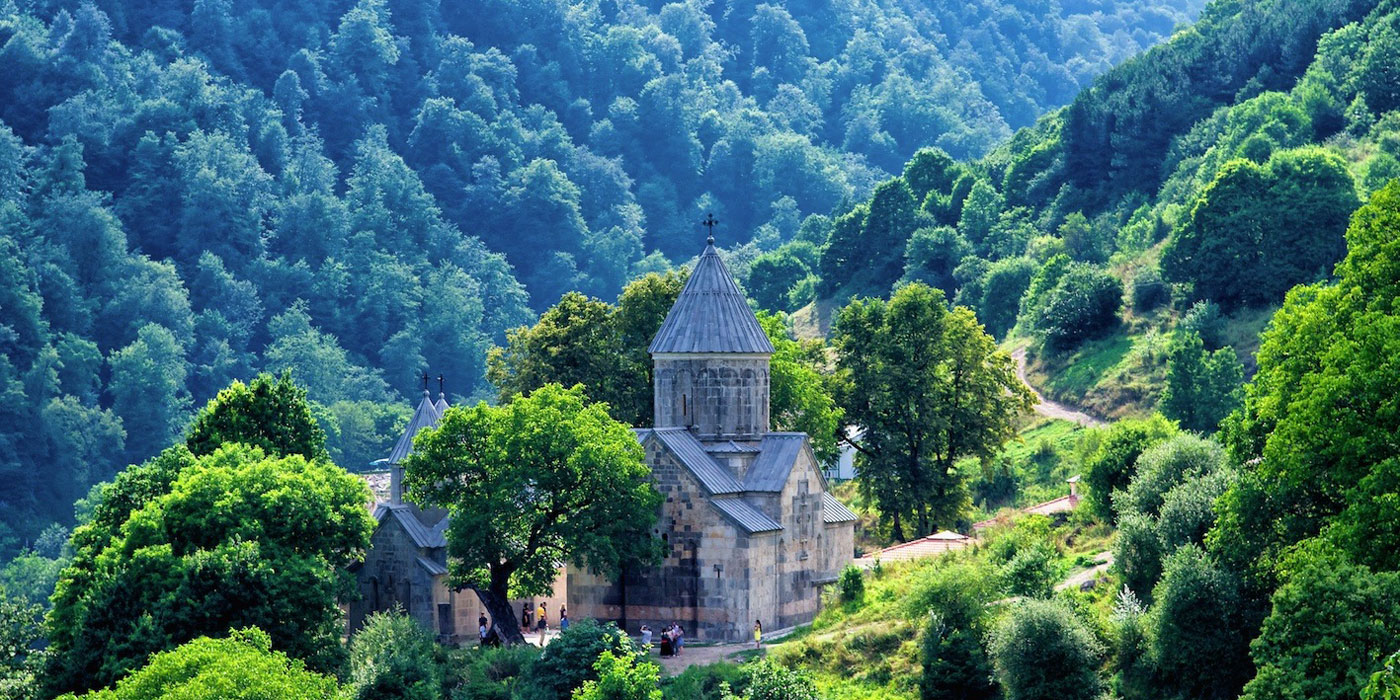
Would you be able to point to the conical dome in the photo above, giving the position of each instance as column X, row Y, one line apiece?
column 711, row 315
column 425, row 416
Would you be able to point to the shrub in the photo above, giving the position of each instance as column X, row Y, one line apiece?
column 1030, row 573
column 769, row 681
column 568, row 662
column 1043, row 651
column 954, row 662
column 1149, row 291
column 392, row 656
column 621, row 677
column 852, row 584
column 1166, row 464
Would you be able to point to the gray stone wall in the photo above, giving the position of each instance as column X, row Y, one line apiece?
column 390, row 576
column 721, row 396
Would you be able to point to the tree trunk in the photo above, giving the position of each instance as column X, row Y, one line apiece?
column 496, row 599
column 897, row 530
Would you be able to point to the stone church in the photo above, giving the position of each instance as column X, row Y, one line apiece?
column 750, row 531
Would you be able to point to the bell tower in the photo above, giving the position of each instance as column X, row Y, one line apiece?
column 710, row 357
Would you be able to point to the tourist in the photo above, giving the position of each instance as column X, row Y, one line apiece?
column 646, row 636
column 541, row 622
column 525, row 616
column 481, row 631
column 563, row 619
column 666, row 648
column 679, row 635
column 481, row 620
column 757, row 634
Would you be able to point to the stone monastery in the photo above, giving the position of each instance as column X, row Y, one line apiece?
column 750, row 531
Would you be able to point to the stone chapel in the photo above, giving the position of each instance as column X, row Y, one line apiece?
column 750, row 531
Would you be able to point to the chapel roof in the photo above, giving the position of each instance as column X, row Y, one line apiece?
column 713, row 476
column 746, row 516
column 777, row 453
column 425, row 416
column 711, row 315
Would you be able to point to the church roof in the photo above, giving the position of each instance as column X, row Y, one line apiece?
column 712, row 476
column 425, row 416
column 711, row 315
column 433, row 568
column 777, row 452
column 441, row 405
column 422, row 535
column 746, row 516
column 833, row 511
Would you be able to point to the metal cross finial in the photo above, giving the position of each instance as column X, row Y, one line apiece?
column 439, row 384
column 710, row 222
column 425, row 382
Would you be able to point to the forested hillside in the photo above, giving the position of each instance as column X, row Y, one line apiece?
column 1140, row 237
column 192, row 192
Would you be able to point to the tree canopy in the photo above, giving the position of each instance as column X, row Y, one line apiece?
column 926, row 387
column 543, row 479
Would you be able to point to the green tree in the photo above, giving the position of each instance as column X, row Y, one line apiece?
column 1202, row 387
column 1331, row 626
column 543, row 479
column 20, row 636
column 1083, row 304
column 1109, row 465
column 392, row 656
column 243, row 666
column 1255, row 231
column 222, row 543
column 769, row 681
column 568, row 662
column 800, row 399
column 772, row 276
column 268, row 413
column 931, row 256
column 1043, row 651
column 928, row 387
column 148, row 390
column 1199, row 627
column 1164, row 465
column 1006, row 282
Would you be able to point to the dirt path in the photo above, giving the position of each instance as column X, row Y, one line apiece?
column 698, row 656
column 1102, row 560
column 1048, row 408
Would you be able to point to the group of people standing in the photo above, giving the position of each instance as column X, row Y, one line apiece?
column 539, row 618
column 672, row 639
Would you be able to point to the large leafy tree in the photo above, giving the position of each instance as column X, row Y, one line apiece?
column 799, row 393
column 268, row 413
column 1327, row 360
column 1257, row 230
column 240, row 538
column 1043, row 651
column 927, row 387
column 544, row 479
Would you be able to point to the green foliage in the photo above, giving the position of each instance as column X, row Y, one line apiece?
column 769, row 681
column 208, row 542
column 20, row 658
column 623, row 677
column 799, row 391
column 572, row 659
column 1083, row 304
column 271, row 414
column 589, row 342
column 392, row 656
column 507, row 475
column 772, row 276
column 1003, row 286
column 1202, row 387
column 912, row 356
column 1030, row 572
column 243, row 666
column 1385, row 683
column 932, row 254
column 1322, row 363
column 852, row 584
column 1255, row 231
column 955, row 664
column 1164, row 465
column 1109, row 465
column 1331, row 625
column 1199, row 627
column 1042, row 650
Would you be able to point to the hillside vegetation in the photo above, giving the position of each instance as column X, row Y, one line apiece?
column 359, row 191
column 1158, row 218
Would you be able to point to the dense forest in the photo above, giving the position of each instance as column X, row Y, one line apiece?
column 190, row 193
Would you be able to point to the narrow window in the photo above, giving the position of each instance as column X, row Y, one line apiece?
column 683, row 410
